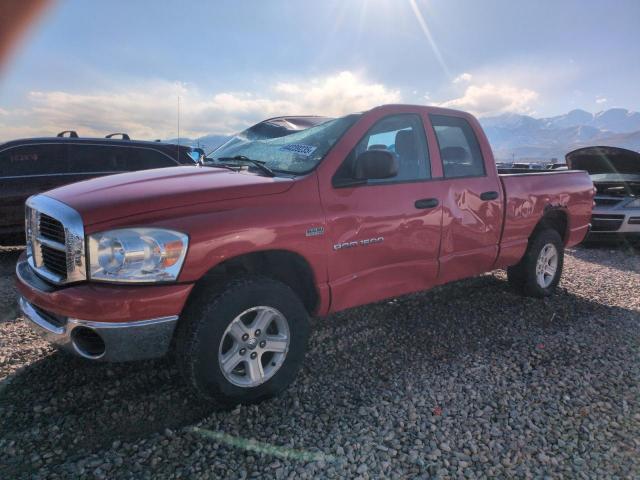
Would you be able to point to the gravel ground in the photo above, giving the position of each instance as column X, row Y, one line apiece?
column 469, row 379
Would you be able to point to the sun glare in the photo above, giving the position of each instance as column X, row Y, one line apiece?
column 427, row 33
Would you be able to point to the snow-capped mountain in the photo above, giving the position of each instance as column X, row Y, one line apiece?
column 524, row 137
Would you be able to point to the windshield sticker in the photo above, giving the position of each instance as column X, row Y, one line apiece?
column 299, row 148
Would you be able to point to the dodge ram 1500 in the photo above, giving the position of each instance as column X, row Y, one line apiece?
column 226, row 262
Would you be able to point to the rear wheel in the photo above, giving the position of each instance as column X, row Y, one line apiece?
column 539, row 271
column 244, row 343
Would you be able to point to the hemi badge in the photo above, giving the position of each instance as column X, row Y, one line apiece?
column 314, row 232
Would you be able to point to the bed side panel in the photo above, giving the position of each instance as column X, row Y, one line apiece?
column 530, row 196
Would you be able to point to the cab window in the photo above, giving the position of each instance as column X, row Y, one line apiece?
column 459, row 147
column 404, row 136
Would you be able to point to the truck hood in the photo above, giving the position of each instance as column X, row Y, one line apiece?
column 118, row 196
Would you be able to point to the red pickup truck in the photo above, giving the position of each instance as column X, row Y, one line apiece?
column 226, row 262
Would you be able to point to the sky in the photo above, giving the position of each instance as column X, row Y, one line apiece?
column 219, row 66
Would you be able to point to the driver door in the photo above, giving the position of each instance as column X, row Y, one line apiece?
column 384, row 234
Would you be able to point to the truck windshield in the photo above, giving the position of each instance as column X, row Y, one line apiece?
column 296, row 153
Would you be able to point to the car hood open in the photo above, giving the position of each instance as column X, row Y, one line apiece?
column 614, row 171
column 604, row 160
column 118, row 196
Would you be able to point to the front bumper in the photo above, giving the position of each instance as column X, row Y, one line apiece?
column 112, row 323
column 106, row 341
column 615, row 220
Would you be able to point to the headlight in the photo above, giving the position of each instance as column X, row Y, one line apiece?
column 633, row 204
column 137, row 255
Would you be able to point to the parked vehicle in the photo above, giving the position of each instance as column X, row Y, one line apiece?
column 527, row 166
column 33, row 165
column 556, row 166
column 226, row 262
column 616, row 175
column 280, row 126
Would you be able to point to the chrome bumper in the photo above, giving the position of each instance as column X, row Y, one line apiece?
column 103, row 341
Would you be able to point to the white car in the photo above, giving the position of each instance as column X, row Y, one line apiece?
column 615, row 173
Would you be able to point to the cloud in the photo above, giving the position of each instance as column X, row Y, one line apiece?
column 149, row 109
column 337, row 95
column 530, row 84
column 601, row 100
column 493, row 99
column 463, row 77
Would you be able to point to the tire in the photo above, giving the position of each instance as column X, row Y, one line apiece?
column 526, row 276
column 213, row 329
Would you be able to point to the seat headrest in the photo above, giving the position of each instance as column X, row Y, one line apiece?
column 372, row 164
column 377, row 146
column 406, row 143
column 454, row 154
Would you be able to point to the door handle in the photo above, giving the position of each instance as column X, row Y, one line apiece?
column 427, row 203
column 489, row 195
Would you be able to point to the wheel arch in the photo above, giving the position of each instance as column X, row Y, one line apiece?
column 554, row 218
column 285, row 266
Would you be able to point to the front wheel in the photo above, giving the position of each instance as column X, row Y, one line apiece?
column 244, row 343
column 539, row 271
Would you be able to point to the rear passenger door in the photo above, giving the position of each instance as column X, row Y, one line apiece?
column 473, row 203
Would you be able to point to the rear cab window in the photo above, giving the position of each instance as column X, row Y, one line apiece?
column 459, row 147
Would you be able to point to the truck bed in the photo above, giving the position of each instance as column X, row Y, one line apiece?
column 528, row 196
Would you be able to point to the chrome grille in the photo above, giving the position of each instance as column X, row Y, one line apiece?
column 51, row 228
column 55, row 240
column 54, row 260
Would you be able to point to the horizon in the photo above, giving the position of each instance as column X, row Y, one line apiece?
column 228, row 70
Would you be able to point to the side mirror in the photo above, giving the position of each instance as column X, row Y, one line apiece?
column 375, row 165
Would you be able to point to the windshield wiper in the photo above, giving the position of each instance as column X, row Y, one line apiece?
column 219, row 165
column 259, row 164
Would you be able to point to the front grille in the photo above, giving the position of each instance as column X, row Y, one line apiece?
column 55, row 240
column 54, row 260
column 51, row 228
column 606, row 202
column 606, row 223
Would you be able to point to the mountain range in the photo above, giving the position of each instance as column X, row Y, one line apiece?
column 206, row 142
column 522, row 137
